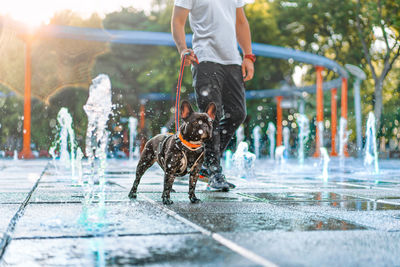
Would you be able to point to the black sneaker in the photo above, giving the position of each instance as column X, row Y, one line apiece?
column 205, row 174
column 218, row 181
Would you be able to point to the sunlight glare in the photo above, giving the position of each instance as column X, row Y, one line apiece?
column 36, row 13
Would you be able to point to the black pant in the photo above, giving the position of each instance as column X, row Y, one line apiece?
column 223, row 85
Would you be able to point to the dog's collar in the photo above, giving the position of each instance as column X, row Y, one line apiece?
column 190, row 145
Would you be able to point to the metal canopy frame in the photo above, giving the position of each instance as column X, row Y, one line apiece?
column 165, row 39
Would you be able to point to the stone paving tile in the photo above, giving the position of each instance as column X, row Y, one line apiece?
column 49, row 220
column 7, row 212
column 323, row 248
column 12, row 197
column 230, row 217
column 171, row 250
column 384, row 220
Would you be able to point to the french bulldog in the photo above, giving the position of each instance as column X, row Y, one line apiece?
column 179, row 153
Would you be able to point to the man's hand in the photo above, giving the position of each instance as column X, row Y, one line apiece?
column 247, row 69
column 190, row 58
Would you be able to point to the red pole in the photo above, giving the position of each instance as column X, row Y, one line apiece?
column 278, row 121
column 26, row 152
column 344, row 108
column 320, row 110
column 333, row 121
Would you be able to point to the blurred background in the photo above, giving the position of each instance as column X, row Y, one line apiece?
column 362, row 33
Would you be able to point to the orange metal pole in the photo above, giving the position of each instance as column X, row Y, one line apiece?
column 344, row 108
column 142, row 121
column 278, row 121
column 333, row 121
column 320, row 110
column 142, row 116
column 26, row 152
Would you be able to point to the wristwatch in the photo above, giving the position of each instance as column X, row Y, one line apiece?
column 252, row 57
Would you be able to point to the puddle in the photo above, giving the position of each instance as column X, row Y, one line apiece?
column 326, row 199
column 299, row 196
column 247, row 222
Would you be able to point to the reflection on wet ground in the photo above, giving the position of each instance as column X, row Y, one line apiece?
column 281, row 212
column 325, row 199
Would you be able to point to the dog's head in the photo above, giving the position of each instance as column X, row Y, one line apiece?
column 197, row 126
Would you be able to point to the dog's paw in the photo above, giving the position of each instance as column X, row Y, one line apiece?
column 173, row 190
column 132, row 195
column 167, row 201
column 194, row 200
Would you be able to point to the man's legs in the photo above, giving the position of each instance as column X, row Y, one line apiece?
column 233, row 103
column 223, row 85
column 208, row 81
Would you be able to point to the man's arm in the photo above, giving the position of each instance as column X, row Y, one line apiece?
column 244, row 38
column 179, row 16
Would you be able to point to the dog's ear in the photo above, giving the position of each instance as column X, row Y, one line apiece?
column 211, row 110
column 186, row 110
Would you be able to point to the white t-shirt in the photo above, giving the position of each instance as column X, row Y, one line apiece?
column 213, row 23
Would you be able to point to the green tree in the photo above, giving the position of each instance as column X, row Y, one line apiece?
column 378, row 26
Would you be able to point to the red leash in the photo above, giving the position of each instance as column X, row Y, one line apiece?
column 178, row 90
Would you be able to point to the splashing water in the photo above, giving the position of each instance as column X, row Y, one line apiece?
column 325, row 159
column 239, row 135
column 243, row 161
column 67, row 157
column 164, row 130
column 98, row 108
column 271, row 136
column 371, row 153
column 78, row 162
column 228, row 159
column 133, row 122
column 343, row 136
column 279, row 154
column 304, row 130
column 257, row 140
column 286, row 138
column 65, row 121
column 320, row 126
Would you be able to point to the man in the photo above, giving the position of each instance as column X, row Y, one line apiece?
column 217, row 25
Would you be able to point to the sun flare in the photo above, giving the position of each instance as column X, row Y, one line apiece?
column 39, row 12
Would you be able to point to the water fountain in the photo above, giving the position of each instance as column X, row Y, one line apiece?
column 67, row 157
column 239, row 135
column 78, row 162
column 279, row 154
column 371, row 153
column 325, row 160
column 65, row 121
column 133, row 122
column 286, row 138
column 257, row 140
column 343, row 136
column 271, row 136
column 164, row 130
column 15, row 157
column 98, row 109
column 228, row 159
column 243, row 161
column 304, row 131
column 320, row 126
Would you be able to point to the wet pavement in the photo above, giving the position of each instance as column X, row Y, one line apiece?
column 285, row 216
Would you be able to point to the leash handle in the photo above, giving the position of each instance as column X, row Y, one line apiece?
column 178, row 89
